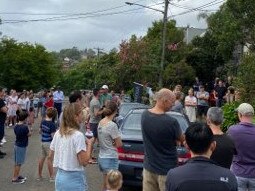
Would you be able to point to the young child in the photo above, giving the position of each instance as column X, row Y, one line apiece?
column 47, row 130
column 114, row 180
column 22, row 133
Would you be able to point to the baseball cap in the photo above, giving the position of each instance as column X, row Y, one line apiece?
column 105, row 87
column 245, row 109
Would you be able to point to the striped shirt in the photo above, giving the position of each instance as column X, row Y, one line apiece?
column 47, row 128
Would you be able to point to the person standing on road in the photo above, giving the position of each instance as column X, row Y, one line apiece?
column 3, row 112
column 22, row 133
column 109, row 140
column 202, row 103
column 95, row 113
column 58, row 97
column 243, row 134
column 47, row 131
column 221, row 91
column 225, row 149
column 104, row 96
column 161, row 133
column 200, row 173
column 12, row 108
column 70, row 151
column 190, row 105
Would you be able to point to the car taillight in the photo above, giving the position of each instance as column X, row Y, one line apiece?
column 130, row 156
column 183, row 158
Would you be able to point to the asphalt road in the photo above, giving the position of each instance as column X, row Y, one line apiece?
column 29, row 169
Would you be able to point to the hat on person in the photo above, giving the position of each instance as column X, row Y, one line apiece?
column 245, row 109
column 105, row 87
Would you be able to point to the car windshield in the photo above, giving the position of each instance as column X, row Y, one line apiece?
column 132, row 124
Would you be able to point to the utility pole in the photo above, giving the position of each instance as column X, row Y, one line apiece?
column 164, row 31
column 98, row 56
column 163, row 44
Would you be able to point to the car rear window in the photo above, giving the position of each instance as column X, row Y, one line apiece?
column 132, row 124
column 124, row 109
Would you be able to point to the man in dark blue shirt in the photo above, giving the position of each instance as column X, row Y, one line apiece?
column 160, row 134
column 200, row 173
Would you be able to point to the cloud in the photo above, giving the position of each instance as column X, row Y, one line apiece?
column 104, row 31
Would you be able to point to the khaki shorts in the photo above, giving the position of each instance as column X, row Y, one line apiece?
column 153, row 182
column 45, row 149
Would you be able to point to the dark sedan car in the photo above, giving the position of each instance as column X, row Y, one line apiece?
column 131, row 154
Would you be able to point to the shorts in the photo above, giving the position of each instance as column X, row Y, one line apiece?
column 152, row 181
column 93, row 128
column 19, row 155
column 45, row 149
column 70, row 180
column 107, row 164
column 202, row 110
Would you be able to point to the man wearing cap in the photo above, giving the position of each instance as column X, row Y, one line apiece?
column 105, row 96
column 243, row 134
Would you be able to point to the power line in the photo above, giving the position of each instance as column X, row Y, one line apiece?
column 77, row 16
column 65, row 14
column 190, row 8
column 202, row 6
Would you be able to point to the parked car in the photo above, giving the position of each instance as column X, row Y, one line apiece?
column 124, row 108
column 131, row 154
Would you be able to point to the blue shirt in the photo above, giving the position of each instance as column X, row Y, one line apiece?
column 58, row 96
column 47, row 128
column 21, row 131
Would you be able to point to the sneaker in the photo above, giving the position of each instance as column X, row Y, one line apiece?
column 18, row 181
column 39, row 178
column 2, row 153
column 22, row 178
column 4, row 140
column 10, row 125
column 52, row 179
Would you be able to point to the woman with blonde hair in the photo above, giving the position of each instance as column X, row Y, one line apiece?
column 71, row 151
column 109, row 140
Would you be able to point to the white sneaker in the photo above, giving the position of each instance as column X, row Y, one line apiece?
column 4, row 140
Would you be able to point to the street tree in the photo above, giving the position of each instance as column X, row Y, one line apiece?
column 26, row 66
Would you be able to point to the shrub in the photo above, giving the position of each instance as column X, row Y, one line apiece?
column 245, row 81
column 230, row 115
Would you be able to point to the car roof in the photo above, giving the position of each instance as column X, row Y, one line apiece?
column 140, row 110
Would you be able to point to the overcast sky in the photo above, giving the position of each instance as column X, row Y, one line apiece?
column 93, row 23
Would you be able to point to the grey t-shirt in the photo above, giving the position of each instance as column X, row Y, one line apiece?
column 94, row 104
column 106, row 135
column 202, row 102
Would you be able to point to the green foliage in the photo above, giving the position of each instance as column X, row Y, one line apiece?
column 204, row 57
column 26, row 66
column 72, row 53
column 179, row 73
column 230, row 115
column 245, row 81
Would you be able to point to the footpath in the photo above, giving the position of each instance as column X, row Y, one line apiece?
column 29, row 169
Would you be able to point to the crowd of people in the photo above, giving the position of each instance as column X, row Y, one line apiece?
column 219, row 161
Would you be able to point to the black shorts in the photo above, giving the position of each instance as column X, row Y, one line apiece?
column 93, row 128
column 202, row 110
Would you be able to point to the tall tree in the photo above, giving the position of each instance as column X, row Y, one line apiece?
column 26, row 66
